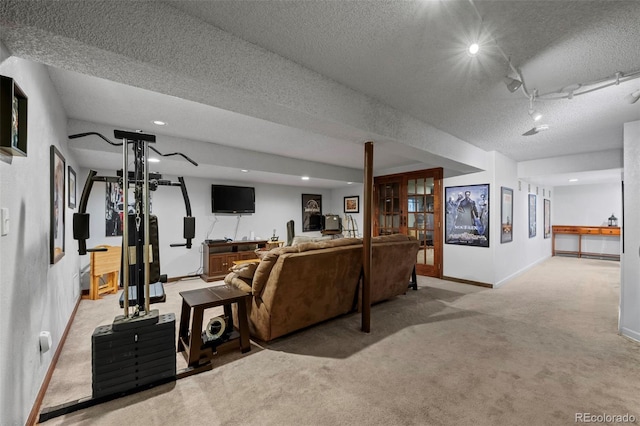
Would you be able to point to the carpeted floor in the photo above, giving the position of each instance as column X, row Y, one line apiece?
column 536, row 351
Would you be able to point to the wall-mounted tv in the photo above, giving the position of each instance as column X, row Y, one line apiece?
column 233, row 199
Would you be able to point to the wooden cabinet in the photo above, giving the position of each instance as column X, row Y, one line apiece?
column 218, row 258
column 410, row 204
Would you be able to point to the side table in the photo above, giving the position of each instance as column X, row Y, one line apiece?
column 190, row 340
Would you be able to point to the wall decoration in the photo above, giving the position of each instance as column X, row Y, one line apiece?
column 506, row 215
column 532, row 216
column 547, row 218
column 311, row 212
column 467, row 216
column 72, row 188
column 13, row 118
column 113, row 210
column 57, row 199
column 352, row 204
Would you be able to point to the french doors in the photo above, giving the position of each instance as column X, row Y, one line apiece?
column 410, row 204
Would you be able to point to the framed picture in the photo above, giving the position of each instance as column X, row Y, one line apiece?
column 506, row 215
column 467, row 216
column 547, row 218
column 311, row 212
column 352, row 204
column 57, row 199
column 532, row 216
column 72, row 188
column 13, row 118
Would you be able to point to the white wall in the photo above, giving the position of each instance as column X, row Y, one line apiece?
column 35, row 296
column 499, row 262
column 275, row 206
column 337, row 202
column 588, row 205
column 630, row 284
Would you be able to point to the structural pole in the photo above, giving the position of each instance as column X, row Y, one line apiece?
column 366, row 237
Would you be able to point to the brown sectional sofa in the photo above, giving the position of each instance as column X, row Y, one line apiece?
column 298, row 286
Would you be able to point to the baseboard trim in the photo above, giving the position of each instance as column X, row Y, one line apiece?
column 35, row 410
column 630, row 334
column 463, row 281
column 521, row 271
column 182, row 277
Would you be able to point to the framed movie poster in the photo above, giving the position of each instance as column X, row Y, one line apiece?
column 311, row 212
column 467, row 215
column 547, row 218
column 506, row 215
column 532, row 216
column 72, row 187
column 57, row 202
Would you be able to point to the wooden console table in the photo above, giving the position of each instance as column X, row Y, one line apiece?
column 217, row 258
column 605, row 231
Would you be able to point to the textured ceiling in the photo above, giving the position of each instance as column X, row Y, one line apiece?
column 314, row 79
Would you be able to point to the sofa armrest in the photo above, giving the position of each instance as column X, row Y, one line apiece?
column 233, row 279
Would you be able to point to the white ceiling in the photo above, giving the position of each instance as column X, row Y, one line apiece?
column 409, row 55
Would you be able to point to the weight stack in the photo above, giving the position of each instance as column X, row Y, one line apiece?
column 125, row 360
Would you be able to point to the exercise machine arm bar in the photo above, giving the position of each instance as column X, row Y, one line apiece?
column 189, row 221
column 81, row 135
column 174, row 153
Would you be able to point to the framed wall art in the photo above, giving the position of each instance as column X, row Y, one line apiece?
column 13, row 118
column 72, row 187
column 467, row 215
column 532, row 216
column 352, row 204
column 57, row 201
column 506, row 215
column 547, row 218
column 311, row 212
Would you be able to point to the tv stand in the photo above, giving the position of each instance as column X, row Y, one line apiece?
column 218, row 257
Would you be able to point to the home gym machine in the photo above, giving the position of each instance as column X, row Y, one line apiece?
column 138, row 350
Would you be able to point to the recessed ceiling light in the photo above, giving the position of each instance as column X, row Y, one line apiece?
column 305, row 177
column 159, row 123
column 154, row 160
column 244, row 171
column 474, row 49
column 349, row 183
column 573, row 180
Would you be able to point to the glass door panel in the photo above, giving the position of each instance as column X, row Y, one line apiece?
column 390, row 211
column 420, row 220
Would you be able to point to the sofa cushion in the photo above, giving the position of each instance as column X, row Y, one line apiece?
column 234, row 280
column 340, row 242
column 263, row 270
column 390, row 238
column 245, row 270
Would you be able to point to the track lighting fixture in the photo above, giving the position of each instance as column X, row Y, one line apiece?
column 633, row 97
column 512, row 84
column 536, row 130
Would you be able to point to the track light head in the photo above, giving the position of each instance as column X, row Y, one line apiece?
column 512, row 84
column 536, row 130
column 632, row 98
column 535, row 115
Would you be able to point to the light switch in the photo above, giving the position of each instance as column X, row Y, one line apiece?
column 4, row 221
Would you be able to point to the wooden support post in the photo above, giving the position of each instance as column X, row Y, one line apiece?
column 366, row 237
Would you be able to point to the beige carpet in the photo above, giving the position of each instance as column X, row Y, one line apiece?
column 536, row 351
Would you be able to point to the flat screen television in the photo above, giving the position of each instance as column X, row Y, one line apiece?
column 233, row 199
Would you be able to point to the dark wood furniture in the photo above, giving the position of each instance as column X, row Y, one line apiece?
column 411, row 204
column 190, row 339
column 579, row 231
column 217, row 258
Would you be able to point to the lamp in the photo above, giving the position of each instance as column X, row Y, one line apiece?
column 632, row 98
column 613, row 221
column 512, row 84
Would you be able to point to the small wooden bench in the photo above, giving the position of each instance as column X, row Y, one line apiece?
column 105, row 263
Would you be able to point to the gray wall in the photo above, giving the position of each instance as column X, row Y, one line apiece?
column 35, row 295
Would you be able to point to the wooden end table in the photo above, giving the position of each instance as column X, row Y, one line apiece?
column 190, row 341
